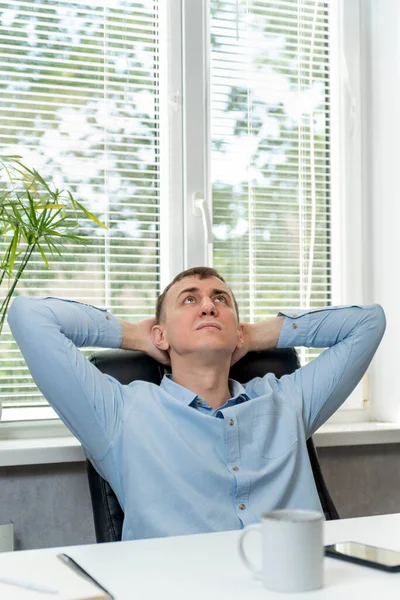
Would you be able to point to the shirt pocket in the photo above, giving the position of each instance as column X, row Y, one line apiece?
column 274, row 429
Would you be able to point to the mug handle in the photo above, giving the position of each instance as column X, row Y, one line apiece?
column 249, row 565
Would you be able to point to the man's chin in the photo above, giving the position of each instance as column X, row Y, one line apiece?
column 218, row 351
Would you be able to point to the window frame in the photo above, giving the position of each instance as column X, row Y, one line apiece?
column 196, row 133
column 185, row 140
column 347, row 209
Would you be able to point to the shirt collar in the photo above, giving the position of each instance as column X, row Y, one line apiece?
column 177, row 391
column 185, row 396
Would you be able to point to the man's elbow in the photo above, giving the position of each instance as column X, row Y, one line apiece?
column 18, row 310
column 378, row 320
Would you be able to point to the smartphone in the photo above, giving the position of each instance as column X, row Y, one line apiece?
column 369, row 556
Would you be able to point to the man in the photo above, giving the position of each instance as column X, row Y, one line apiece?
column 198, row 453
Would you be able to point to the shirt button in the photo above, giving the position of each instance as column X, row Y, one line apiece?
column 199, row 402
column 235, row 468
column 294, row 325
column 108, row 317
column 242, row 506
column 231, row 422
column 295, row 315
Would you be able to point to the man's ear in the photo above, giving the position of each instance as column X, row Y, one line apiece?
column 159, row 338
column 240, row 331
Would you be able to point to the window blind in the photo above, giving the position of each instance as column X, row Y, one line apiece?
column 80, row 102
column 270, row 130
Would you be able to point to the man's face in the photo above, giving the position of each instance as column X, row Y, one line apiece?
column 199, row 315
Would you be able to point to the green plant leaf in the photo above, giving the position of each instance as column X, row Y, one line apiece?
column 31, row 214
column 90, row 215
column 76, row 238
column 40, row 206
column 50, row 220
column 34, row 216
column 24, row 168
column 54, row 249
column 46, row 262
column 8, row 173
column 13, row 251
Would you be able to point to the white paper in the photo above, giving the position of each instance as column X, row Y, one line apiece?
column 49, row 572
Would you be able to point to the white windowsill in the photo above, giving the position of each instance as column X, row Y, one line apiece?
column 51, row 442
column 357, row 434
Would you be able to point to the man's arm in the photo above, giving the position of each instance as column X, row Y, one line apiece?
column 137, row 336
column 48, row 332
column 263, row 335
column 351, row 336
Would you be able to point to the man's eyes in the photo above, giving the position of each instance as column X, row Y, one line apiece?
column 191, row 299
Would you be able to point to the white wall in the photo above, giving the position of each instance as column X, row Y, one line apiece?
column 380, row 51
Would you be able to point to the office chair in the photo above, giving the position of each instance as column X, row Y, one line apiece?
column 127, row 366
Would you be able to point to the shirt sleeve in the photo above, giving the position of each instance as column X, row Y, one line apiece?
column 48, row 332
column 351, row 335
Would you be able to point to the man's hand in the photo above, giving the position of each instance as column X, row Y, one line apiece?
column 245, row 347
column 147, row 345
column 263, row 335
column 137, row 336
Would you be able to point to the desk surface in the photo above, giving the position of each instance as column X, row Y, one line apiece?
column 208, row 567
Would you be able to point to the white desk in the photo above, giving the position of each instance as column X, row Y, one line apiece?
column 207, row 567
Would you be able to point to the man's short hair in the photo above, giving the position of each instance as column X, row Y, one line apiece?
column 202, row 273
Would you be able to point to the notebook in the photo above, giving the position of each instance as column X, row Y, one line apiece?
column 59, row 582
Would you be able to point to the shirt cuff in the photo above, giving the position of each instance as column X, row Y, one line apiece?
column 294, row 329
column 296, row 325
column 105, row 330
column 111, row 330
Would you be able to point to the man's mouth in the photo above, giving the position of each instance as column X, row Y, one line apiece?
column 209, row 326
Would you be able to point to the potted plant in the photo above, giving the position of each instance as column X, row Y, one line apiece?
column 36, row 219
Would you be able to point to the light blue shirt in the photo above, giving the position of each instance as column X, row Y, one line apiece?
column 176, row 465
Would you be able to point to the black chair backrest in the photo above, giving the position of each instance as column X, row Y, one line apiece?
column 127, row 366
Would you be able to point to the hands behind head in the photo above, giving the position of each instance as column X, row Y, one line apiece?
column 147, row 345
column 245, row 347
column 161, row 356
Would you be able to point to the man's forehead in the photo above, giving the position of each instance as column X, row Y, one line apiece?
column 196, row 282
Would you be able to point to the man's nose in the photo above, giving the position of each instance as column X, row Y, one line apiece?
column 208, row 307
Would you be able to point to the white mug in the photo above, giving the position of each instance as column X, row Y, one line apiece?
column 292, row 550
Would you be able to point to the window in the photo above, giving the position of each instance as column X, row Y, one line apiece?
column 270, row 152
column 80, row 101
column 199, row 131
